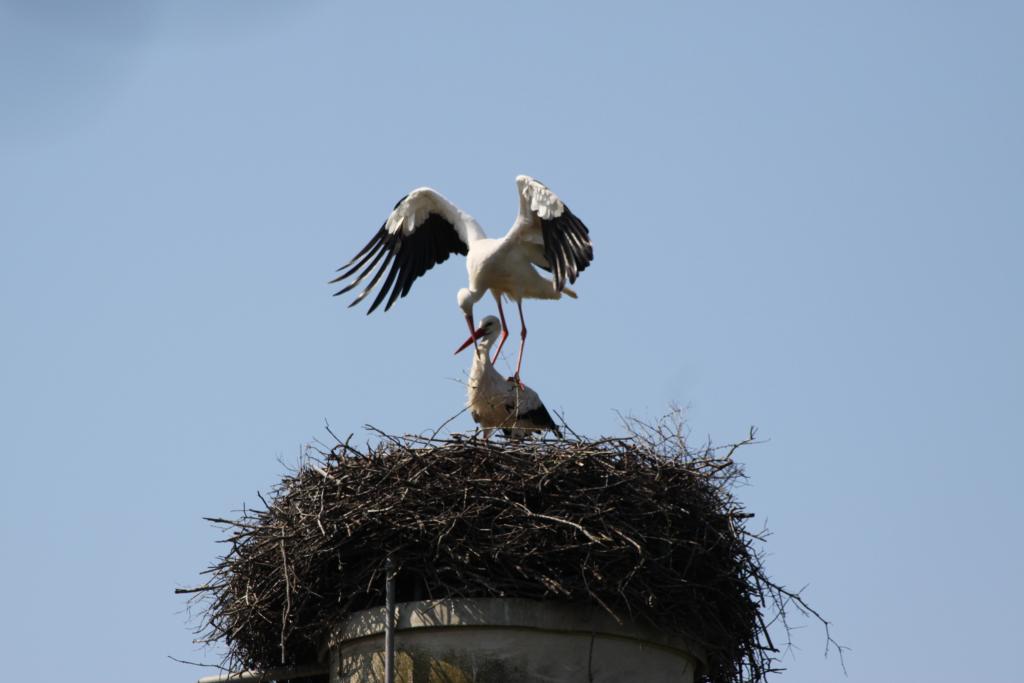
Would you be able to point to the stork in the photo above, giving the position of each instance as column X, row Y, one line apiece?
column 496, row 402
column 424, row 229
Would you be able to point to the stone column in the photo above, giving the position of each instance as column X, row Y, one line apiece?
column 494, row 640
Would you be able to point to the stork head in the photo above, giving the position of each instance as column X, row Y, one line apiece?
column 490, row 328
column 466, row 299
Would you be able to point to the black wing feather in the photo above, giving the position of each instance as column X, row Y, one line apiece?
column 384, row 266
column 567, row 247
column 404, row 270
column 410, row 273
column 579, row 237
column 562, row 257
column 538, row 418
column 569, row 253
column 362, row 276
column 408, row 257
column 372, row 247
column 395, row 267
column 365, row 250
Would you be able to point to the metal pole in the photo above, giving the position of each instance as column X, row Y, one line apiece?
column 389, row 623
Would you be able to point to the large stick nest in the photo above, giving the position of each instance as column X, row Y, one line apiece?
column 638, row 525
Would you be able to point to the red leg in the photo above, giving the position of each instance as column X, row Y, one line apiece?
column 504, row 329
column 522, row 342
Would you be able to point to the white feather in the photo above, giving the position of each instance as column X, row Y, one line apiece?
column 543, row 201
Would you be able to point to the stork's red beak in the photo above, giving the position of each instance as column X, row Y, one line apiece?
column 472, row 338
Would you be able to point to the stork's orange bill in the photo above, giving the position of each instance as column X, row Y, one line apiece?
column 472, row 338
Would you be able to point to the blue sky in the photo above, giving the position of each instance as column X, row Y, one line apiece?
column 807, row 216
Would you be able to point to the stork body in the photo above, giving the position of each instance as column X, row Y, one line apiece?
column 424, row 229
column 505, row 267
column 495, row 402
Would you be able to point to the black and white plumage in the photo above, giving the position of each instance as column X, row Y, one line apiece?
column 495, row 402
column 424, row 229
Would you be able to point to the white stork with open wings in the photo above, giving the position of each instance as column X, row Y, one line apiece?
column 424, row 229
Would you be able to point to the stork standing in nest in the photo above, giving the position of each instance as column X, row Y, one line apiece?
column 424, row 229
column 499, row 403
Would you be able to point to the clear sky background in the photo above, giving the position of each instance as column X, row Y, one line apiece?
column 807, row 217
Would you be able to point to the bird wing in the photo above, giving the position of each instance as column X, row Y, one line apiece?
column 424, row 229
column 538, row 418
column 557, row 240
column 528, row 410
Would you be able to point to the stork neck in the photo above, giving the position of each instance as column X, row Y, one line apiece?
column 482, row 369
column 483, row 353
